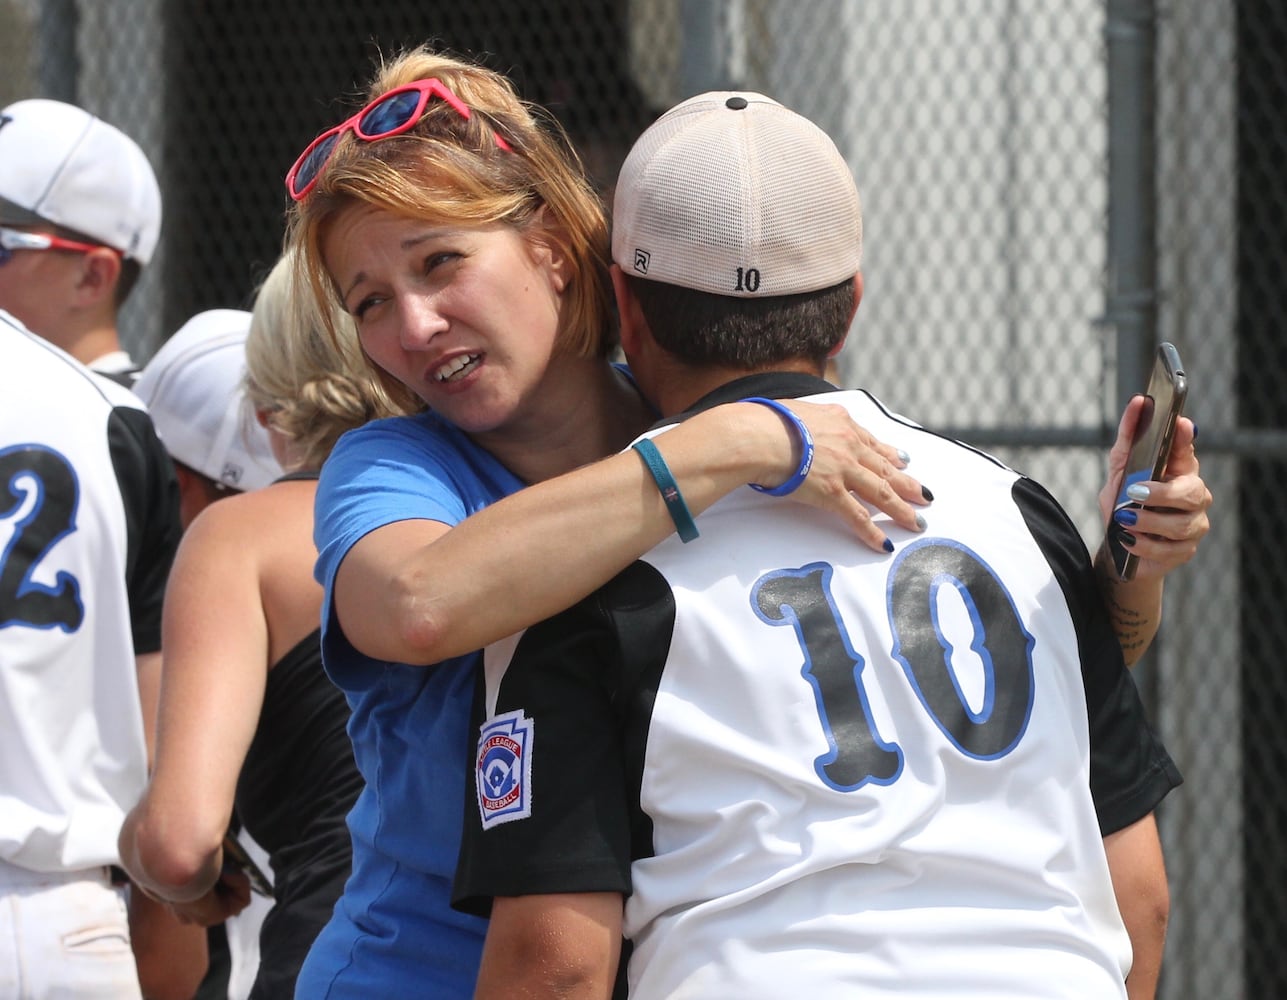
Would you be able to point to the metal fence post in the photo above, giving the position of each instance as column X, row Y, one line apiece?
column 1131, row 35
column 1130, row 31
column 59, row 65
column 710, row 33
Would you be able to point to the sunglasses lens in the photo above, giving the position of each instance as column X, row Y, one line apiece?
column 390, row 114
column 312, row 164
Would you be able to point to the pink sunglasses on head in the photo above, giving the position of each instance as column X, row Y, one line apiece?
column 388, row 115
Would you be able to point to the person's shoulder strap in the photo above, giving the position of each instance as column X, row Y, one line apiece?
column 297, row 475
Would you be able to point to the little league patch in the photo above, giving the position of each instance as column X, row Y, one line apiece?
column 504, row 769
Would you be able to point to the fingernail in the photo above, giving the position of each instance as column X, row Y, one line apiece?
column 1126, row 516
column 929, row 497
column 1137, row 492
column 906, row 458
column 1195, row 430
column 1126, row 537
column 920, row 523
column 889, row 546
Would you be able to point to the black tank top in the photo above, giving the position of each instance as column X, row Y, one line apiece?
column 296, row 787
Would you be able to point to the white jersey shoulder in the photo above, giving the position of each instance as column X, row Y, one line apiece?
column 72, row 756
column 893, row 784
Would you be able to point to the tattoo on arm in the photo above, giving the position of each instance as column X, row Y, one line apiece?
column 1131, row 626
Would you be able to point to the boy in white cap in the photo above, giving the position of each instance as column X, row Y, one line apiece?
column 776, row 763
column 193, row 389
column 80, row 215
column 87, row 536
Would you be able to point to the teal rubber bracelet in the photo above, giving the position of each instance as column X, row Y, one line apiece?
column 668, row 488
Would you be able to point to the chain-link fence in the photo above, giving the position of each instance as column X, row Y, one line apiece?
column 1048, row 188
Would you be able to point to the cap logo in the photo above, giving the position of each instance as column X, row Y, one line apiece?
column 641, row 261
column 231, row 473
column 748, row 279
column 5, row 120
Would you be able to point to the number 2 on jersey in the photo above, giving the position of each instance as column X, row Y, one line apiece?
column 1002, row 647
column 39, row 503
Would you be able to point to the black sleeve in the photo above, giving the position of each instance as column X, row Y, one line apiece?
column 572, row 830
column 150, row 494
column 1130, row 769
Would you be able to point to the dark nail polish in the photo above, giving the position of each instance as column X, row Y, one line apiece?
column 1195, row 430
column 929, row 497
column 1127, row 538
column 889, row 546
column 1126, row 516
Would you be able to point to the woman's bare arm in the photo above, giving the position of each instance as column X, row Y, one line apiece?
column 419, row 591
column 1169, row 527
column 213, row 676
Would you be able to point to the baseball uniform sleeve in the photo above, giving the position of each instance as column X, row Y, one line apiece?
column 1130, row 769
column 545, row 808
column 150, row 495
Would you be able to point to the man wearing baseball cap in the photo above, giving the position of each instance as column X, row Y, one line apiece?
column 772, row 761
column 193, row 389
column 89, row 528
column 80, row 214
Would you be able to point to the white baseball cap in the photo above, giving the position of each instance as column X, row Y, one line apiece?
column 193, row 390
column 59, row 164
column 734, row 194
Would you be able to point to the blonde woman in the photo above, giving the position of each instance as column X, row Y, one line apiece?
column 248, row 719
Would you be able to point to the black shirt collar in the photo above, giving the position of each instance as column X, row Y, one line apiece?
column 771, row 385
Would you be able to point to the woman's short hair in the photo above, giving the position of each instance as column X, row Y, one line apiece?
column 447, row 169
column 306, row 371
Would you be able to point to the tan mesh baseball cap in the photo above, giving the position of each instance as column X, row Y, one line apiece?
column 734, row 194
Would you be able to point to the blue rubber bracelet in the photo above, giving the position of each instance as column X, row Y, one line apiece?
column 806, row 444
column 668, row 488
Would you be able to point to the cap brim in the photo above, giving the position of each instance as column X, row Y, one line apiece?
column 19, row 216
column 16, row 215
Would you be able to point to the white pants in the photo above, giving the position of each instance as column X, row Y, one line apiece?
column 64, row 937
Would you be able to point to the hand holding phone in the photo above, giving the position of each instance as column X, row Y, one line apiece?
column 1164, row 402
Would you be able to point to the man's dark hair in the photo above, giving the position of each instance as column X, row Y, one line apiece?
column 212, row 489
column 703, row 329
column 131, row 269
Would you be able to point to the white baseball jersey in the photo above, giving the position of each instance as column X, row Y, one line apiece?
column 818, row 771
column 88, row 527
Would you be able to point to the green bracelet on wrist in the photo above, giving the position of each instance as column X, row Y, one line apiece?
column 668, row 488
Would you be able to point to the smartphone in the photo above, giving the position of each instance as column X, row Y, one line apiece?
column 1164, row 402
column 235, row 856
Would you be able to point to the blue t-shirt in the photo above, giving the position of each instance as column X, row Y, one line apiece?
column 393, row 931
